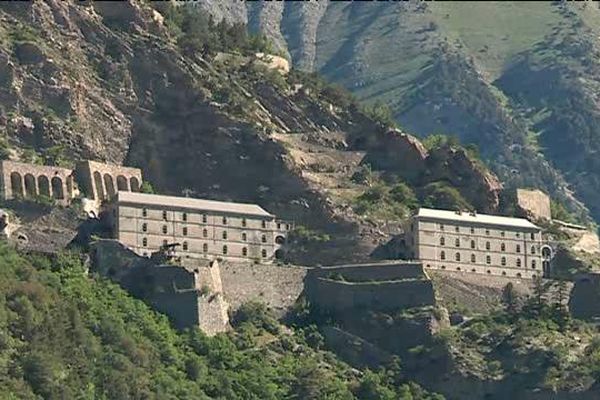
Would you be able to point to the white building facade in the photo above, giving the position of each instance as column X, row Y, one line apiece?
column 475, row 243
column 202, row 228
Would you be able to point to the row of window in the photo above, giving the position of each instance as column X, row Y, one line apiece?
column 487, row 231
column 487, row 245
column 224, row 250
column 518, row 275
column 488, row 259
column 205, row 219
column 184, row 232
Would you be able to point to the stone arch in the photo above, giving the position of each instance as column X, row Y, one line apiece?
column 279, row 239
column 99, row 186
column 44, row 186
column 122, row 183
column 57, row 188
column 134, row 184
column 30, row 189
column 16, row 184
column 110, row 185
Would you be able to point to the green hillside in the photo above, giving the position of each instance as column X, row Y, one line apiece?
column 66, row 335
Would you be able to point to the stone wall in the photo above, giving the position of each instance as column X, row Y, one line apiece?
column 276, row 286
column 337, row 296
column 377, row 271
column 534, row 203
column 584, row 301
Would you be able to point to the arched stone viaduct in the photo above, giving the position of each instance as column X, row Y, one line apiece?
column 98, row 181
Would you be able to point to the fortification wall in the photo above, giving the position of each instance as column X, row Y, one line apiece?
column 277, row 286
column 584, row 301
column 386, row 271
column 337, row 296
column 181, row 308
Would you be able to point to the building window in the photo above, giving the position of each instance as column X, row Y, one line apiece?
column 487, row 231
column 205, row 248
column 457, row 229
column 144, row 212
column 145, row 242
column 441, row 227
column 185, row 246
column 184, row 231
column 457, row 242
column 518, row 262
column 204, row 233
column 263, row 239
column 165, row 242
column 487, row 245
column 204, row 218
column 184, row 216
column 144, row 227
column 472, row 244
column 518, row 248
column 472, row 230
column 532, row 236
column 502, row 233
column 264, row 253
column 457, row 256
column 224, row 220
column 533, row 264
column 443, row 255
column 165, row 215
column 264, row 224
column 279, row 227
column 244, row 222
column 488, row 259
column 244, row 237
column 244, row 251
column 503, row 261
column 164, row 229
column 473, row 259
column 518, row 234
column 224, row 234
column 502, row 247
column 225, row 249
column 442, row 241
column 287, row 227
column 532, row 249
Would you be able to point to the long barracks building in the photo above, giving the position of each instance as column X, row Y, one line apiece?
column 476, row 243
column 202, row 228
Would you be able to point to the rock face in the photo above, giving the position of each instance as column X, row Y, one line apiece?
column 470, row 177
column 534, row 203
column 399, row 152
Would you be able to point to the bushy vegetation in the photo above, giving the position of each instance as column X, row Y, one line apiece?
column 442, row 195
column 533, row 337
column 66, row 335
column 381, row 200
column 197, row 33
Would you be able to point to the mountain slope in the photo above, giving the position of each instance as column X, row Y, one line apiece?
column 519, row 79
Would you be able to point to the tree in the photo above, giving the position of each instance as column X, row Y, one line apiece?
column 560, row 312
column 509, row 299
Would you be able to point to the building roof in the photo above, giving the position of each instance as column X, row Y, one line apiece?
column 191, row 203
column 483, row 219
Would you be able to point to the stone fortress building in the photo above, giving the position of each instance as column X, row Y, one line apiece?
column 476, row 243
column 146, row 223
